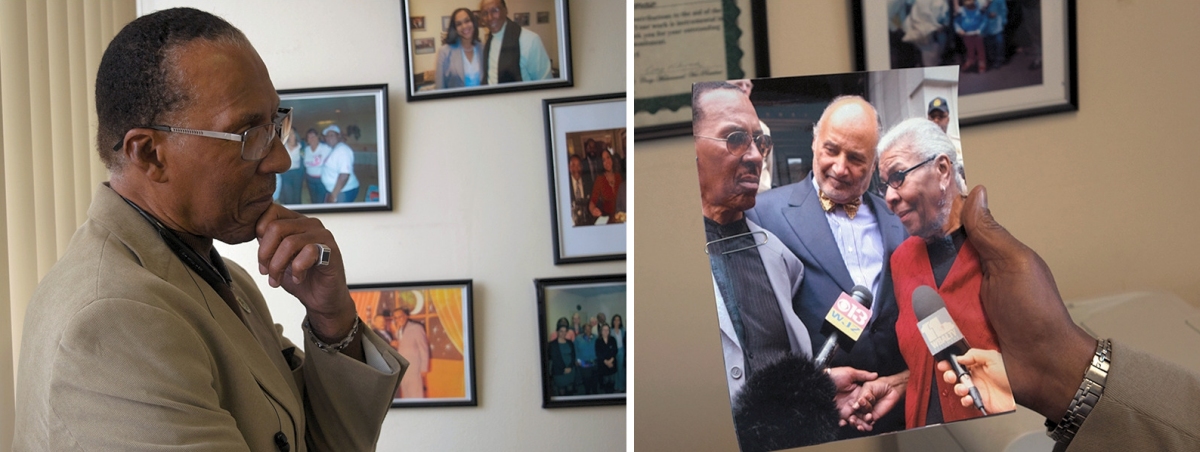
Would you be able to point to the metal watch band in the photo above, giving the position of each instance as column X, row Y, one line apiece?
column 1086, row 397
column 333, row 348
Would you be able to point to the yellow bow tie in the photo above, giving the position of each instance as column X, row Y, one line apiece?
column 828, row 205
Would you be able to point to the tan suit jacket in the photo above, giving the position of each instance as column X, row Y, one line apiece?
column 1148, row 404
column 125, row 348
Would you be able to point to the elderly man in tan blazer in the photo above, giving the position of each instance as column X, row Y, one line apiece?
column 142, row 337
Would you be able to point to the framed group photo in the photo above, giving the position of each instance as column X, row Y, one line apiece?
column 1016, row 58
column 680, row 42
column 586, row 153
column 457, row 60
column 431, row 324
column 582, row 338
column 339, row 150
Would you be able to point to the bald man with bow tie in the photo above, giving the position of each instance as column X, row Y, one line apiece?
column 844, row 236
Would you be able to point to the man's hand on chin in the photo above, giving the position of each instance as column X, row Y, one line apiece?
column 289, row 253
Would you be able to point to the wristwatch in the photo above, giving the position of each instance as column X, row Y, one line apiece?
column 1086, row 397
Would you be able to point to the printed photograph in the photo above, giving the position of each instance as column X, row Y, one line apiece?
column 847, row 296
column 339, row 150
column 596, row 164
column 586, row 158
column 997, row 44
column 1016, row 58
column 582, row 324
column 496, row 48
column 431, row 325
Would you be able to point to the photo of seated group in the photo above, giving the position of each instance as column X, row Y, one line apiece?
column 846, row 292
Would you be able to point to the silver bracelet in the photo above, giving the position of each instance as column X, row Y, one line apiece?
column 333, row 348
column 1086, row 397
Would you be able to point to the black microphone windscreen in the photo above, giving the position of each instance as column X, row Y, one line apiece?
column 785, row 404
column 864, row 295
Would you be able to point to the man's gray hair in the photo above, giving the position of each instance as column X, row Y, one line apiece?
column 925, row 139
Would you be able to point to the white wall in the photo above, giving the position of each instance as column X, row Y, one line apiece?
column 471, row 201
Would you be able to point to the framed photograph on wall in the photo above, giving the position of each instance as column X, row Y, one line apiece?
column 582, row 336
column 586, row 154
column 340, row 150
column 431, row 324
column 680, row 42
column 1016, row 58
column 455, row 62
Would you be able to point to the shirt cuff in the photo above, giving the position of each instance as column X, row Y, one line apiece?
column 374, row 358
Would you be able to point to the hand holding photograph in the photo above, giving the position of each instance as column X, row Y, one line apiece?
column 888, row 319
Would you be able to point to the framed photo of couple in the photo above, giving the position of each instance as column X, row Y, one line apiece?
column 339, row 150
column 582, row 336
column 488, row 46
column 432, row 325
column 586, row 154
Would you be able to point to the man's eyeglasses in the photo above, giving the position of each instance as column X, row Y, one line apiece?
column 896, row 180
column 256, row 141
column 737, row 143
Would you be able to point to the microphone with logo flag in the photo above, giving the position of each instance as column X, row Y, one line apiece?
column 942, row 336
column 844, row 323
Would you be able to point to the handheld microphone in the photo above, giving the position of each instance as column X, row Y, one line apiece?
column 942, row 336
column 844, row 323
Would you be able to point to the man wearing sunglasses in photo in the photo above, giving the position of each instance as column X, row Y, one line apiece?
column 844, row 235
column 142, row 337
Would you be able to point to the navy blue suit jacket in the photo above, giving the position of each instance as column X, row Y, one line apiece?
column 793, row 213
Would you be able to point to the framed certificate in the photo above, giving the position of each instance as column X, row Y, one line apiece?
column 680, row 42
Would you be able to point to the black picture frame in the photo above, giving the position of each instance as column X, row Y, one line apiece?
column 422, row 67
column 571, row 122
column 991, row 96
column 646, row 108
column 360, row 108
column 432, row 301
column 558, row 298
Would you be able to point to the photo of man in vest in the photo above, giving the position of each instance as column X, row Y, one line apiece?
column 511, row 53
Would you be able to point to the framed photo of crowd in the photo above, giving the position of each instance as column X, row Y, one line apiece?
column 1017, row 58
column 488, row 46
column 339, row 150
column 586, row 154
column 431, row 324
column 582, row 337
